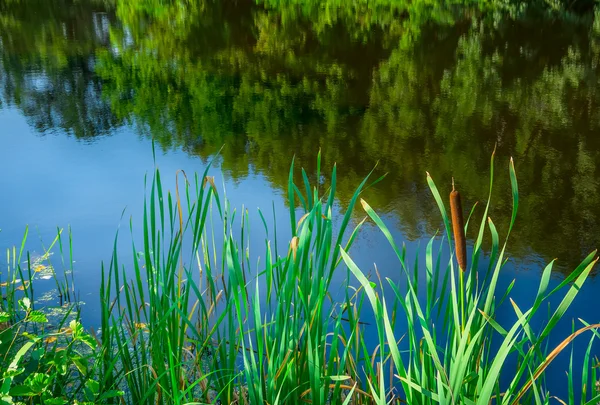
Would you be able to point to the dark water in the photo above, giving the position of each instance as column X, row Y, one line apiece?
column 85, row 86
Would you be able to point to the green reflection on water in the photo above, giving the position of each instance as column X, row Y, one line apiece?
column 414, row 85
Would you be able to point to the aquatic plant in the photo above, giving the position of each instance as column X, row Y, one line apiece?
column 197, row 317
column 465, row 360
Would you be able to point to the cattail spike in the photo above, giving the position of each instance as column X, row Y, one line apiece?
column 458, row 227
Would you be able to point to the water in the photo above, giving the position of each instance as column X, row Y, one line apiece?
column 85, row 87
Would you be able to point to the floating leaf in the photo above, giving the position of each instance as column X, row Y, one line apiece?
column 23, row 286
column 39, row 267
column 51, row 339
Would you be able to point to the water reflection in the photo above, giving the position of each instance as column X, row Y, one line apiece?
column 414, row 89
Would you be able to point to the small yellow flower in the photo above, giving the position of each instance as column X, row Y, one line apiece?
column 51, row 339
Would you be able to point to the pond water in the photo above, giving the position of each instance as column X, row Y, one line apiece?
column 86, row 86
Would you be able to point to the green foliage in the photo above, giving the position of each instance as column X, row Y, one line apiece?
column 417, row 85
column 277, row 331
column 46, row 356
column 196, row 319
column 465, row 366
column 48, row 366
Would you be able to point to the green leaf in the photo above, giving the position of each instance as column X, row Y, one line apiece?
column 93, row 386
column 22, row 391
column 60, row 361
column 25, row 304
column 77, row 329
column 6, row 400
column 81, row 364
column 55, row 401
column 10, row 373
column 340, row 377
column 38, row 382
column 112, row 394
column 31, row 336
column 15, row 362
column 89, row 341
column 37, row 317
column 38, row 353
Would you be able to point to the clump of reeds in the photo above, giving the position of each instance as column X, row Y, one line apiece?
column 459, row 363
column 196, row 320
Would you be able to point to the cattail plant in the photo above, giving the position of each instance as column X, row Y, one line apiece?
column 480, row 350
column 460, row 245
column 458, row 227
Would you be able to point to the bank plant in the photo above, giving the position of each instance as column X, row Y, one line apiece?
column 192, row 315
column 46, row 355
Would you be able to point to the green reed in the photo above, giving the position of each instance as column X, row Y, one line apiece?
column 198, row 317
column 190, row 325
column 218, row 326
column 464, row 364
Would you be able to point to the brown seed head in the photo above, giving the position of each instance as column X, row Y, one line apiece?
column 458, row 227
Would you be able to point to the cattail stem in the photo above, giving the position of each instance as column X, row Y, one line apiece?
column 458, row 227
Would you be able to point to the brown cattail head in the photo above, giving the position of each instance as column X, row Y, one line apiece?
column 458, row 227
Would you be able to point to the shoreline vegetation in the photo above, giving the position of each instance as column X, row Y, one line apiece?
column 193, row 320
